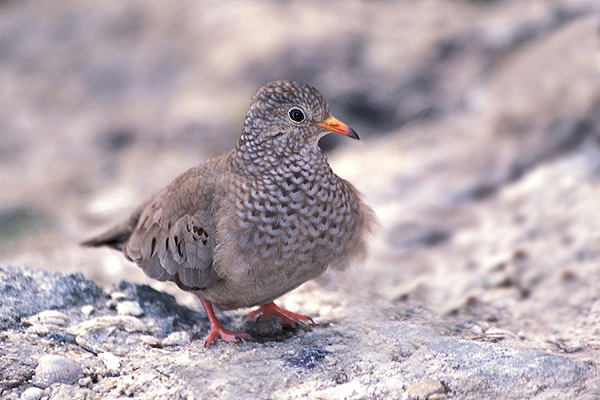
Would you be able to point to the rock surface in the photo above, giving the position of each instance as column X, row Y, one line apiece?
column 331, row 360
column 480, row 155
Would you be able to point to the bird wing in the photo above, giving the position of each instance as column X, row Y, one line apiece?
column 173, row 235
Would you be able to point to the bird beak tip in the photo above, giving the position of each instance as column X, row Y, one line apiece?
column 353, row 134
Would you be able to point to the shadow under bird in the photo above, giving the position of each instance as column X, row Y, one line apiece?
column 244, row 228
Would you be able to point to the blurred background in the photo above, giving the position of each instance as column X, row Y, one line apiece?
column 459, row 104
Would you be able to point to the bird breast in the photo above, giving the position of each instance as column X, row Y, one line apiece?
column 298, row 214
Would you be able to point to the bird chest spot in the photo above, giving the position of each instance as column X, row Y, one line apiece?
column 324, row 221
column 269, row 214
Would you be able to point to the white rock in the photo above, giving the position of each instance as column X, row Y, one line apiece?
column 32, row 393
column 118, row 296
column 48, row 317
column 110, row 361
column 85, row 382
column 150, row 340
column 87, row 310
column 129, row 308
column 177, row 339
column 125, row 322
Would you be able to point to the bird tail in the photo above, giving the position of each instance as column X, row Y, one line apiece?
column 117, row 236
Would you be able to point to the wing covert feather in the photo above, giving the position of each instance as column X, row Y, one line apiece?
column 176, row 236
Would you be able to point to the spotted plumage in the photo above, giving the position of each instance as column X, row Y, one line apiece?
column 244, row 228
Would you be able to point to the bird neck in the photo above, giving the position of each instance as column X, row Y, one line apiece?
column 264, row 161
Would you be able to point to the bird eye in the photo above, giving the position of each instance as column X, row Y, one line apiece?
column 296, row 115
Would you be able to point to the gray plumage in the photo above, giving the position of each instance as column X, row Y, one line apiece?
column 246, row 227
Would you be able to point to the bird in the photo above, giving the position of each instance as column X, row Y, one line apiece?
column 242, row 229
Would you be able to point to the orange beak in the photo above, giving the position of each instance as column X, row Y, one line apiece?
column 335, row 125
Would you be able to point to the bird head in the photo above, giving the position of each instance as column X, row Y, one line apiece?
column 287, row 117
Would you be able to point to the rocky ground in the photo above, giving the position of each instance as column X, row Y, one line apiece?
column 480, row 155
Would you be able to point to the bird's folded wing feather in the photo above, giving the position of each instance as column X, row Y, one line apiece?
column 176, row 235
column 172, row 236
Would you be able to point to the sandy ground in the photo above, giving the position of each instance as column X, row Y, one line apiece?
column 480, row 154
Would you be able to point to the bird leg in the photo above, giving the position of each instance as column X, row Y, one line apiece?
column 217, row 330
column 273, row 310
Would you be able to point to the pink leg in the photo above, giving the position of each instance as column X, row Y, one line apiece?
column 217, row 330
column 271, row 309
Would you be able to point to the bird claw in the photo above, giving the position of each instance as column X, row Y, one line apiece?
column 226, row 335
column 273, row 310
column 217, row 330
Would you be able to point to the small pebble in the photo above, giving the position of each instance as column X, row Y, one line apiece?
column 151, row 341
column 32, row 393
column 56, row 369
column 129, row 308
column 125, row 322
column 437, row 396
column 180, row 338
column 111, row 362
column 85, row 382
column 40, row 330
column 477, row 330
column 118, row 296
column 111, row 304
column 48, row 317
column 498, row 334
column 424, row 390
column 90, row 343
column 145, row 378
column 87, row 310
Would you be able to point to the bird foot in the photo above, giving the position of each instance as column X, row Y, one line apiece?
column 273, row 310
column 226, row 335
column 217, row 330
